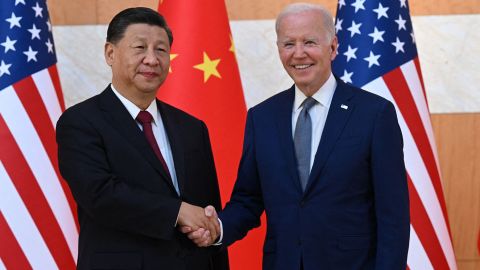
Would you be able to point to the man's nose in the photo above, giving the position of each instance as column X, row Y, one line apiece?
column 151, row 57
column 299, row 51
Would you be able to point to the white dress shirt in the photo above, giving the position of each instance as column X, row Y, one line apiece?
column 318, row 112
column 158, row 131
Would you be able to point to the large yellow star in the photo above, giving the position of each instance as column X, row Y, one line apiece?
column 209, row 67
column 172, row 56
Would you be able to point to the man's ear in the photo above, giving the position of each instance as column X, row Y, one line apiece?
column 109, row 53
column 333, row 47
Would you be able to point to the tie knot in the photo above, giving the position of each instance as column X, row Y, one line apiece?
column 144, row 117
column 308, row 103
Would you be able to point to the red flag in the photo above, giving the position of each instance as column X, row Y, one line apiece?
column 37, row 217
column 205, row 82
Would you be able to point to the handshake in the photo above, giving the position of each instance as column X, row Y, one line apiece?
column 200, row 224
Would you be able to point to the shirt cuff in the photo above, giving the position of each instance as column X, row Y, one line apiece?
column 219, row 242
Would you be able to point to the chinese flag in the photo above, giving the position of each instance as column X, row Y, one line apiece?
column 204, row 81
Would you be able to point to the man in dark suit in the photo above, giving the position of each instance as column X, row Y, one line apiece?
column 137, row 167
column 324, row 160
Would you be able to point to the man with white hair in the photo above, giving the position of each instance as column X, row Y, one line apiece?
column 324, row 160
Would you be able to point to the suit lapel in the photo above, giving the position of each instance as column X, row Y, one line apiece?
column 174, row 134
column 338, row 114
column 284, row 124
column 120, row 119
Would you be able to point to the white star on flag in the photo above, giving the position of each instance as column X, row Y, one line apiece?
column 347, row 77
column 377, row 35
column 31, row 54
column 354, row 29
column 358, row 5
column 341, row 3
column 413, row 37
column 381, row 11
column 19, row 1
column 8, row 44
column 14, row 21
column 401, row 23
column 49, row 46
column 398, row 45
column 372, row 59
column 350, row 53
column 38, row 11
column 4, row 68
column 338, row 26
column 35, row 32
column 403, row 3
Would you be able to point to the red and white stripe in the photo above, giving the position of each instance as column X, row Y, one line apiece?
column 37, row 211
column 430, row 241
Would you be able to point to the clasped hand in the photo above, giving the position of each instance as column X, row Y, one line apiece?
column 201, row 225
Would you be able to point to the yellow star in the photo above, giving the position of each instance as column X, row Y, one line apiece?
column 209, row 67
column 232, row 47
column 172, row 56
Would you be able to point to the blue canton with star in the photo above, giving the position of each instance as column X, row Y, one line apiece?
column 26, row 42
column 374, row 38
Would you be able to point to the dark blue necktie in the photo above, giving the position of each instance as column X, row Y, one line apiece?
column 302, row 140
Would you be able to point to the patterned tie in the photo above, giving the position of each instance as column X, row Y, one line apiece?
column 145, row 118
column 302, row 140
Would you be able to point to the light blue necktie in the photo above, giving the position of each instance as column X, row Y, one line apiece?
column 302, row 140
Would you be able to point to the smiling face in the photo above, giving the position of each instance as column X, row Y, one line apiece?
column 306, row 49
column 140, row 61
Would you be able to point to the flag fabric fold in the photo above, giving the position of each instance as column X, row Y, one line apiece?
column 37, row 218
column 377, row 52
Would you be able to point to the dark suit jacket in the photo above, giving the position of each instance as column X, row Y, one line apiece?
column 354, row 213
column 127, row 205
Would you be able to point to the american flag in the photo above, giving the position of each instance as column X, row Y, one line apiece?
column 377, row 52
column 37, row 224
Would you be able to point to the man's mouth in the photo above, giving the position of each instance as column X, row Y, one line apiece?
column 149, row 74
column 301, row 67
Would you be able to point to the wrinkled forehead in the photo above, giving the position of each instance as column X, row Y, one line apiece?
column 145, row 31
column 300, row 24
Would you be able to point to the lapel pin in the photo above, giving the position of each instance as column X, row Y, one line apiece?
column 343, row 106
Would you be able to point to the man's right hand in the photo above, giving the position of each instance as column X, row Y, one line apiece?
column 202, row 237
column 201, row 224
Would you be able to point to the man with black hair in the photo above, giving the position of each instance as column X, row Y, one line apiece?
column 137, row 167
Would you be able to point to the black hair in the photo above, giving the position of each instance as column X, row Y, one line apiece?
column 118, row 25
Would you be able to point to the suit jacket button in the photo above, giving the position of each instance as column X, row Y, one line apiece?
column 302, row 203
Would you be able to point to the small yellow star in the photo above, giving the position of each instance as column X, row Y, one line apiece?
column 209, row 67
column 232, row 47
column 172, row 56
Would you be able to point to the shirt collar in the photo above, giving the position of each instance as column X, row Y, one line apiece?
column 323, row 95
column 133, row 109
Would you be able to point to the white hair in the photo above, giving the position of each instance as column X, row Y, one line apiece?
column 296, row 8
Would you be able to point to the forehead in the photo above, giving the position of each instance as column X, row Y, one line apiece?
column 145, row 31
column 301, row 23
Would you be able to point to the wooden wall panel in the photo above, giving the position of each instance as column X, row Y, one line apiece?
column 266, row 9
column 100, row 11
column 106, row 11
column 72, row 12
column 458, row 144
